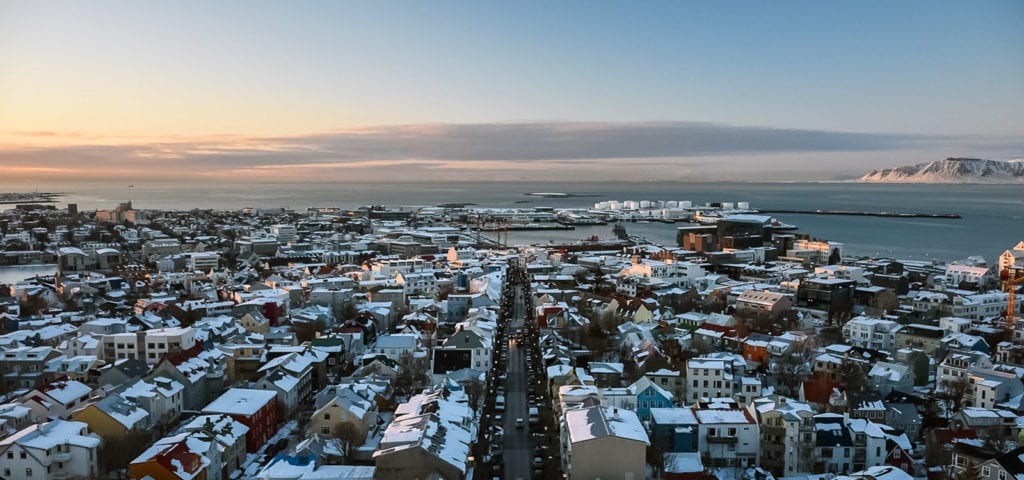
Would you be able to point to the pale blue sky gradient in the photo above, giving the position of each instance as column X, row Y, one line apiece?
column 103, row 69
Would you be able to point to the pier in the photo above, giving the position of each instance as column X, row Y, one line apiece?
column 866, row 214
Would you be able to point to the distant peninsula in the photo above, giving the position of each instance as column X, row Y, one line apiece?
column 952, row 170
column 560, row 195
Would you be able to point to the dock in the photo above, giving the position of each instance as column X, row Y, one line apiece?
column 865, row 214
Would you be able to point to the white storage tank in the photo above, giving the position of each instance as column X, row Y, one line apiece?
column 686, row 204
column 645, row 204
column 728, row 205
column 671, row 204
column 743, row 205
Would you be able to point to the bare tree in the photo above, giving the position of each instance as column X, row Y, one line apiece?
column 794, row 366
column 853, row 376
column 349, row 436
column 475, row 392
column 953, row 395
column 116, row 452
column 656, row 458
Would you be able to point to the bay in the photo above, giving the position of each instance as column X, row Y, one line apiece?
column 992, row 215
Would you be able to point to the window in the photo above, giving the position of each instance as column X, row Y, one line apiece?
column 325, row 430
column 28, row 472
column 22, row 455
column 986, row 471
column 1002, row 475
column 327, row 416
column 896, row 453
column 7, row 472
column 732, row 432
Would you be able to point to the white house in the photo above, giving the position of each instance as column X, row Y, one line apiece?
column 51, row 451
column 395, row 345
column 873, row 333
column 729, row 437
column 603, row 442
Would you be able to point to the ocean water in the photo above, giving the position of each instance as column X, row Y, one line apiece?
column 993, row 215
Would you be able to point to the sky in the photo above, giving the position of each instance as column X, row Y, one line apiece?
column 418, row 90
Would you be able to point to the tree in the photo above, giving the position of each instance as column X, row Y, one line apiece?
column 656, row 458
column 830, row 335
column 443, row 291
column 853, row 377
column 835, row 258
column 115, row 453
column 793, row 367
column 413, row 372
column 348, row 435
column 33, row 304
column 756, row 320
column 952, row 395
column 595, row 338
column 306, row 331
column 931, row 413
column 970, row 472
column 886, row 300
column 475, row 392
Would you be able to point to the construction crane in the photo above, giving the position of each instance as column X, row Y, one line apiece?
column 1011, row 277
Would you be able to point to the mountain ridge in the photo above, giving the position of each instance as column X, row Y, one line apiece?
column 952, row 170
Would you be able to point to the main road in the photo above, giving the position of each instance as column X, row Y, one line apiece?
column 517, row 439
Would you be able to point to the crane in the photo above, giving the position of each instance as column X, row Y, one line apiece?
column 1011, row 277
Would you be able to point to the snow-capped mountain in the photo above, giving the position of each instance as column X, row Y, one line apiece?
column 952, row 170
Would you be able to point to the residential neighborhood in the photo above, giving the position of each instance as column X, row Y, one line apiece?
column 397, row 343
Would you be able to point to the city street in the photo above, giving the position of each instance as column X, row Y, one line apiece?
column 517, row 446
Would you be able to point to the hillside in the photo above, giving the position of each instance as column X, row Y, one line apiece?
column 951, row 170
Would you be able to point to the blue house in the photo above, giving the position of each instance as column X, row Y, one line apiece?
column 648, row 396
column 674, row 429
column 963, row 341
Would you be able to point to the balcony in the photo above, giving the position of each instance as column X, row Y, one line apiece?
column 61, row 457
column 726, row 439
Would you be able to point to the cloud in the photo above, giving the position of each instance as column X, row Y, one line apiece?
column 471, row 147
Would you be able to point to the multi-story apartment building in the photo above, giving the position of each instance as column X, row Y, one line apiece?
column 149, row 346
column 720, row 376
column 24, row 367
column 787, row 433
column 873, row 333
column 54, row 450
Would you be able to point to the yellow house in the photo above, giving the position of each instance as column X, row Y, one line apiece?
column 113, row 416
column 346, row 406
column 255, row 322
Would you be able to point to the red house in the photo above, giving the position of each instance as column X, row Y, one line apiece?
column 256, row 409
column 898, row 449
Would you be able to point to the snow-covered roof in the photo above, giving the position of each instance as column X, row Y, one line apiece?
column 716, row 416
column 48, row 435
column 596, row 422
column 673, row 416
column 683, row 462
column 240, row 401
